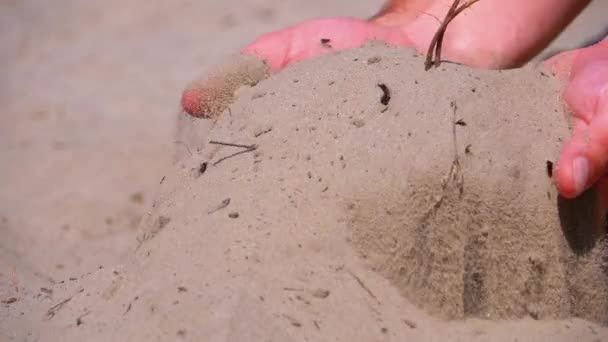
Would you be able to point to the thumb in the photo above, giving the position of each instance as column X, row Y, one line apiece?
column 584, row 158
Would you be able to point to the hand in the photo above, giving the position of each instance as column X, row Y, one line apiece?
column 491, row 34
column 584, row 158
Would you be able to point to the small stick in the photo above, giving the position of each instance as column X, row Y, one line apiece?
column 362, row 284
column 454, row 123
column 251, row 148
column 437, row 41
column 53, row 310
column 128, row 309
column 292, row 289
column 221, row 206
column 248, row 147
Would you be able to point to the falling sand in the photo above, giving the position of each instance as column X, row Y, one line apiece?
column 371, row 201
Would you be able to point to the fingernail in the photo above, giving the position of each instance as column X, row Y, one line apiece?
column 581, row 173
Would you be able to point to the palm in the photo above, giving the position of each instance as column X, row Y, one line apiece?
column 319, row 37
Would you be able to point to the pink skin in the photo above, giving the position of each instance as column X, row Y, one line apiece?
column 584, row 157
column 491, row 34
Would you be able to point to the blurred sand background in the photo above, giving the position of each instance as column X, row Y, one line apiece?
column 88, row 101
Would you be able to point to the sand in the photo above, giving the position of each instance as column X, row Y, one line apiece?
column 429, row 218
column 88, row 100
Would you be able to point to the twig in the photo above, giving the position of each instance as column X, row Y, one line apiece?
column 128, row 309
column 251, row 148
column 453, row 173
column 362, row 284
column 225, row 203
column 454, row 123
column 438, row 35
column 262, row 132
column 437, row 41
column 455, row 167
column 292, row 289
column 429, row 14
column 55, row 308
column 248, row 147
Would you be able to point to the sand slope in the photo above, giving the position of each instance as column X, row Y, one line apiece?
column 353, row 220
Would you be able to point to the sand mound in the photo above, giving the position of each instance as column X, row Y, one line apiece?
column 364, row 184
column 465, row 218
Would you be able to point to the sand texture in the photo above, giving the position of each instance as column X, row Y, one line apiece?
column 429, row 217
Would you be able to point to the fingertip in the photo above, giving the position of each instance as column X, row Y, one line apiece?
column 581, row 172
column 573, row 177
column 565, row 181
column 584, row 158
column 191, row 102
column 570, row 166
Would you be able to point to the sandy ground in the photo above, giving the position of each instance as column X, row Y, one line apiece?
column 352, row 215
column 88, row 101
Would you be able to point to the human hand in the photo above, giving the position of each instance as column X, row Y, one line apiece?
column 584, row 158
column 491, row 34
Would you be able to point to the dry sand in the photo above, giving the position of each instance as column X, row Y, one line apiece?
column 88, row 93
column 353, row 220
column 88, row 97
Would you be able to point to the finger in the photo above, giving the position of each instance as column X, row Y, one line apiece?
column 319, row 37
column 584, row 158
column 495, row 33
column 561, row 64
column 586, row 71
column 210, row 95
column 588, row 81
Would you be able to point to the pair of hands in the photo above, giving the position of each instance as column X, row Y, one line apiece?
column 490, row 34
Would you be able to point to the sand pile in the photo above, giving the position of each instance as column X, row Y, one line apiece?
column 360, row 185
column 469, row 224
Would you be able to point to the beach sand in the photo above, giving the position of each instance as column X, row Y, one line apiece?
column 429, row 215
column 339, row 226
